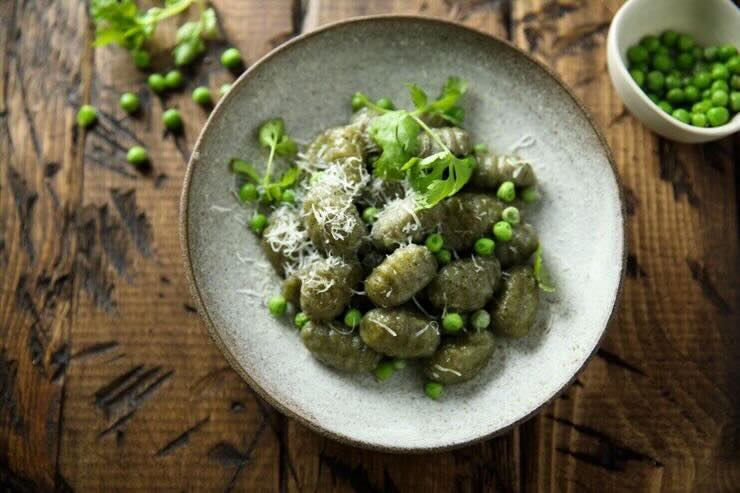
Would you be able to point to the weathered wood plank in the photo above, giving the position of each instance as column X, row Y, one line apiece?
column 658, row 405
column 40, row 185
column 150, row 402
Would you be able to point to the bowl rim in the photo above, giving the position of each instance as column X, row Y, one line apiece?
column 215, row 334
column 728, row 128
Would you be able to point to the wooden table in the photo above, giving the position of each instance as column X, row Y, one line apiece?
column 108, row 382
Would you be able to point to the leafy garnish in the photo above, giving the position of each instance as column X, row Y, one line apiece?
column 438, row 176
column 541, row 274
column 271, row 135
column 445, row 104
column 396, row 134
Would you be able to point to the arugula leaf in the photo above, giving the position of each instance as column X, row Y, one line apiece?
column 541, row 274
column 438, row 176
column 396, row 134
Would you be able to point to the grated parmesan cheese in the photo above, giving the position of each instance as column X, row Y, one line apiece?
column 448, row 370
column 388, row 329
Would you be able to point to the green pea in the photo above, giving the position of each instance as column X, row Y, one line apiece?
column 643, row 67
column 277, row 306
column 701, row 106
column 142, row 59
column 358, row 101
column 682, row 115
column 700, row 66
column 202, row 96
column 669, row 38
column 699, row 119
column 733, row 65
column 666, row 106
column 384, row 370
column 231, row 58
column 257, row 223
column 506, row 191
column 87, row 115
column 672, row 81
column 399, row 364
column 288, row 196
column 719, row 71
column 484, row 246
column 720, row 85
column 444, row 256
column 452, row 323
column 248, row 193
column 370, row 215
column 718, row 116
column 638, row 76
column 224, row 89
column 675, row 96
column 129, row 102
column 385, row 103
column 706, row 94
column 137, row 156
column 300, row 319
column 735, row 101
column 511, row 215
column 637, row 54
column 157, row 83
column 664, row 63
column 697, row 53
column 172, row 120
column 352, row 318
column 650, row 42
column 735, row 81
column 702, row 80
column 685, row 61
column 481, row 149
column 726, row 51
column 653, row 97
column 480, row 320
column 685, row 42
column 662, row 50
column 434, row 242
column 719, row 98
column 433, row 390
column 530, row 194
column 174, row 79
column 710, row 53
column 502, row 231
column 691, row 93
column 655, row 81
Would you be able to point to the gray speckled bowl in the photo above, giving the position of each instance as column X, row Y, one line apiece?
column 308, row 82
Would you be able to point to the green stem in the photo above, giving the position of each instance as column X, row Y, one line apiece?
column 169, row 12
column 428, row 130
column 268, row 170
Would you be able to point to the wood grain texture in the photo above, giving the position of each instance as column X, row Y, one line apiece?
column 109, row 383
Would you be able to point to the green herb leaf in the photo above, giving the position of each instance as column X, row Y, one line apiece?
column 541, row 274
column 438, row 176
column 418, row 96
column 271, row 132
column 445, row 104
column 396, row 133
column 244, row 168
column 289, row 177
column 286, row 146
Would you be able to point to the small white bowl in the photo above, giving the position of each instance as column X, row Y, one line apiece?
column 708, row 21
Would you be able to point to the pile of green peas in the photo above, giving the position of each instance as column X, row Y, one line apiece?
column 698, row 86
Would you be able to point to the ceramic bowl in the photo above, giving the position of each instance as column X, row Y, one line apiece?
column 309, row 82
column 708, row 21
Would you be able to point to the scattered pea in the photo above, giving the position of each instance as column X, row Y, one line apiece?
column 444, row 256
column 434, row 242
column 231, row 58
column 502, row 231
column 480, row 319
column 511, row 215
column 682, row 115
column 157, row 83
column 352, row 318
column 87, row 115
column 300, row 319
column 530, row 195
column 399, row 364
column 699, row 119
column 384, row 370
column 174, row 79
column 718, row 116
column 370, row 215
column 433, row 390
column 257, row 223
column 142, row 59
column 137, row 156
column 202, row 96
column 386, row 104
column 277, row 306
column 484, row 246
column 288, row 196
column 358, row 101
column 452, row 323
column 172, row 120
column 506, row 191
column 248, row 193
column 129, row 102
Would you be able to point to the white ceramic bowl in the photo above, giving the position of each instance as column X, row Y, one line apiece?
column 708, row 21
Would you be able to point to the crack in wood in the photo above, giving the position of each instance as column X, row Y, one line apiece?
column 226, row 454
column 633, row 267
column 25, row 201
column 104, row 163
column 136, row 222
column 117, row 424
column 615, row 360
column 114, row 242
column 26, row 108
column 89, row 261
column 9, row 403
column 549, row 12
column 580, row 39
column 59, row 362
column 181, row 439
column 709, row 290
column 673, row 171
column 160, row 180
column 13, row 482
column 356, row 476
column 631, row 202
column 95, row 350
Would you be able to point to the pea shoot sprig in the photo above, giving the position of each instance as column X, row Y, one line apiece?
column 396, row 131
column 541, row 274
column 271, row 136
column 121, row 22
